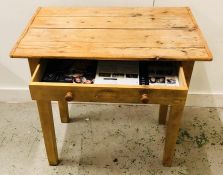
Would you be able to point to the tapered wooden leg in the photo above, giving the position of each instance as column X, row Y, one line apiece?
column 46, row 119
column 64, row 113
column 163, row 114
column 32, row 65
column 188, row 69
column 173, row 126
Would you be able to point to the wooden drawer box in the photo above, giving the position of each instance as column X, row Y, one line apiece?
column 107, row 93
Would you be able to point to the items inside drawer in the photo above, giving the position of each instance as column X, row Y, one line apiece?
column 112, row 72
column 117, row 72
column 70, row 71
column 159, row 73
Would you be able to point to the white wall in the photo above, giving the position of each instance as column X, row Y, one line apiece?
column 14, row 15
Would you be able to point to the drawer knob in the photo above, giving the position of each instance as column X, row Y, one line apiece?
column 69, row 96
column 144, row 98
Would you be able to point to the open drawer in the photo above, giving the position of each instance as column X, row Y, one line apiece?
column 106, row 92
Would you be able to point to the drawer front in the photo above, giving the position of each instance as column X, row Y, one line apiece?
column 107, row 93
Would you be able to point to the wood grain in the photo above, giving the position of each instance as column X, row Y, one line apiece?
column 64, row 112
column 127, row 54
column 108, row 22
column 163, row 114
column 173, row 126
column 188, row 69
column 46, row 119
column 112, row 11
column 110, row 94
column 113, row 33
column 200, row 34
column 32, row 65
column 108, row 38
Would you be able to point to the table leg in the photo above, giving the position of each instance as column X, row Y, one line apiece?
column 188, row 69
column 173, row 126
column 163, row 114
column 64, row 113
column 46, row 119
column 32, row 65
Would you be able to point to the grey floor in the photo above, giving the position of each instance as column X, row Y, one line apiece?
column 108, row 139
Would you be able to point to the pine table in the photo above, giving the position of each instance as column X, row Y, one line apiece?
column 128, row 34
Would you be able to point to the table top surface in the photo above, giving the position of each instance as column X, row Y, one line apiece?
column 167, row 33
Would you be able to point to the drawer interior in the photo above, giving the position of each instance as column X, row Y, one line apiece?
column 162, row 74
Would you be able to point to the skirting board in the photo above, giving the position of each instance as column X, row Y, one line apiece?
column 17, row 95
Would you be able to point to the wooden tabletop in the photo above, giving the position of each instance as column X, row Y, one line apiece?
column 114, row 34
